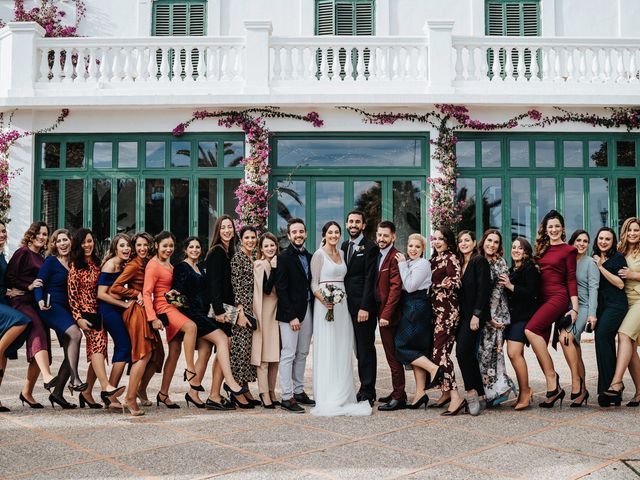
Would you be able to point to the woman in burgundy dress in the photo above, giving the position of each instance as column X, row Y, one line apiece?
column 557, row 261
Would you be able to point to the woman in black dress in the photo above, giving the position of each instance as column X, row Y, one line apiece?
column 612, row 307
column 523, row 291
column 474, row 313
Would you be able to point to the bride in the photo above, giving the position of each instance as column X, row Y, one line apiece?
column 333, row 384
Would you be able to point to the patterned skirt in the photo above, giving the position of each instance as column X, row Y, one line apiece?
column 414, row 337
column 241, row 367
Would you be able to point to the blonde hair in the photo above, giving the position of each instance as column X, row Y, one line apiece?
column 53, row 249
column 623, row 246
column 419, row 238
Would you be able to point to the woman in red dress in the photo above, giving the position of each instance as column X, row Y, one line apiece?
column 557, row 261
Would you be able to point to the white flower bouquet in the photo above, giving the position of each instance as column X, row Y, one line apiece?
column 331, row 294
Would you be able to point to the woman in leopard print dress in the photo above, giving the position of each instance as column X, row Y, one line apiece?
column 242, row 281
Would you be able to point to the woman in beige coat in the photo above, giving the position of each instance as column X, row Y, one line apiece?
column 265, row 350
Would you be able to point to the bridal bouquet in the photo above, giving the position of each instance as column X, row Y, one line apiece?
column 331, row 294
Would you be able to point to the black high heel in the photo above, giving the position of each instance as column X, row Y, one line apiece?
column 197, row 388
column 424, row 400
column 189, row 400
column 615, row 395
column 60, row 401
column 556, row 394
column 4, row 409
column 50, row 384
column 237, row 403
column 77, row 388
column 32, row 405
column 583, row 392
column 105, row 394
column 635, row 402
column 452, row 413
column 84, row 402
column 271, row 406
column 171, row 406
column 441, row 404
column 242, row 390
column 437, row 378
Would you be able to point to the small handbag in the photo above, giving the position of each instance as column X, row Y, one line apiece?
column 94, row 318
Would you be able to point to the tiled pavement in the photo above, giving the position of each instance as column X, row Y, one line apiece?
column 260, row 444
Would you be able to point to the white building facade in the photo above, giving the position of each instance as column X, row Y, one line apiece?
column 143, row 66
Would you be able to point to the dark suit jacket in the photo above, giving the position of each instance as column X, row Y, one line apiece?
column 218, row 280
column 475, row 292
column 525, row 298
column 293, row 286
column 359, row 296
column 388, row 287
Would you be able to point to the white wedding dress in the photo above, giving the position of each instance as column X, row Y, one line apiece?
column 333, row 383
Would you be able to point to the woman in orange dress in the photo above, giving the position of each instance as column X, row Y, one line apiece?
column 147, row 353
column 158, row 276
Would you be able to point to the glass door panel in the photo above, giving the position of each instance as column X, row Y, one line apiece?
column 291, row 200
column 329, row 205
column 101, row 211
column 367, row 197
column 73, row 204
column 491, row 203
column 520, row 208
column 467, row 193
column 545, row 197
column 627, row 206
column 407, row 208
column 126, row 219
column 154, row 205
column 207, row 208
column 598, row 203
column 573, row 204
column 179, row 210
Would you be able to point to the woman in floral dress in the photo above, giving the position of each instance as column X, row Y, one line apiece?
column 497, row 383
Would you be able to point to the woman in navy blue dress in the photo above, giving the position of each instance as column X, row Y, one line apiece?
column 111, row 308
column 53, row 300
column 13, row 324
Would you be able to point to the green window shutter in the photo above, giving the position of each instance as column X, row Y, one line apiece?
column 162, row 20
column 345, row 17
column 324, row 17
column 531, row 19
column 197, row 20
column 179, row 18
column 514, row 18
column 364, row 18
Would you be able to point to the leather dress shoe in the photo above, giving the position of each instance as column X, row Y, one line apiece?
column 361, row 397
column 303, row 399
column 392, row 405
column 292, row 406
column 386, row 399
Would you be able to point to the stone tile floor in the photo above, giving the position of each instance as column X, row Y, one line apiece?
column 263, row 444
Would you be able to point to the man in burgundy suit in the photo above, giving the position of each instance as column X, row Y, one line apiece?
column 388, row 288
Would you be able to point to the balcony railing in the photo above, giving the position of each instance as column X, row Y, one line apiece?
column 436, row 66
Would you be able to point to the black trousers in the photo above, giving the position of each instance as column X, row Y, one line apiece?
column 606, row 330
column 467, row 355
column 365, row 339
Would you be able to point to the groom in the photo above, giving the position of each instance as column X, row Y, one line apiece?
column 294, row 312
column 360, row 253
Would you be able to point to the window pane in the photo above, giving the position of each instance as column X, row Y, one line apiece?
column 572, row 154
column 545, row 154
column 207, row 207
column 466, row 154
column 50, row 190
column 520, row 208
column 127, row 155
column 573, row 204
column 229, row 195
column 154, row 205
column 292, row 197
column 207, row 154
column 406, row 210
column 329, row 204
column 51, row 155
column 467, row 193
column 491, row 203
column 101, row 212
column 545, row 197
column 102, row 153
column 233, row 153
column 598, row 203
column 598, row 154
column 179, row 210
column 491, row 154
column 126, row 206
column 367, row 197
column 374, row 152
column 626, row 199
column 73, row 204
column 180, row 154
column 626, row 154
column 75, row 155
column 155, row 154
column 519, row 153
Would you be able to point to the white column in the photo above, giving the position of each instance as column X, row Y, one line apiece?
column 256, row 72
column 145, row 8
column 19, row 60
column 440, row 51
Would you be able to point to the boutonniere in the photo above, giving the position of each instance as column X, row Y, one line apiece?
column 360, row 249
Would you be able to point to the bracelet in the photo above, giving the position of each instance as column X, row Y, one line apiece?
column 574, row 310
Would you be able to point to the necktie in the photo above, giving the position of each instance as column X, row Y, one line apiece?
column 350, row 252
column 379, row 260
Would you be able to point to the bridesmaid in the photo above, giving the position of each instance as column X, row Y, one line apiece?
column 474, row 314
column 219, row 292
column 557, row 262
column 147, row 353
column 629, row 330
column 414, row 336
column 22, row 273
column 82, row 284
column 242, row 282
column 111, row 307
column 158, row 277
column 588, row 279
column 190, row 281
column 265, row 345
column 523, row 292
column 446, row 281
column 497, row 384
column 55, row 312
column 13, row 324
column 612, row 307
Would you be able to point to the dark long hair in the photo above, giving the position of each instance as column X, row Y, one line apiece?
column 485, row 235
column 217, row 238
column 186, row 243
column 612, row 250
column 528, row 253
column 542, row 239
column 76, row 256
column 327, row 226
column 574, row 236
column 474, row 252
column 449, row 238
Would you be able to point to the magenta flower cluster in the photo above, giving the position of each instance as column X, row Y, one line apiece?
column 50, row 17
